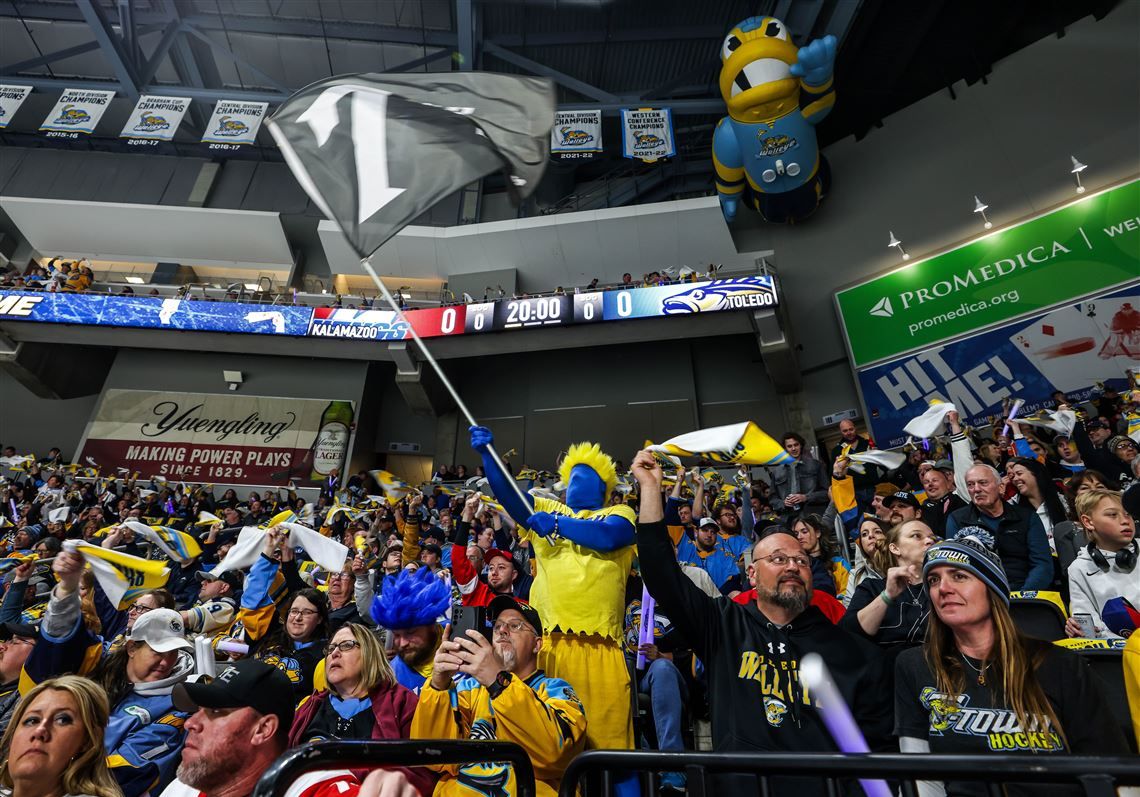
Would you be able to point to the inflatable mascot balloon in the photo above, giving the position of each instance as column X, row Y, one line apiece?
column 765, row 150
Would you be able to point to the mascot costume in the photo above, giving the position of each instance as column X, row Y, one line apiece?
column 583, row 551
column 413, row 600
column 765, row 150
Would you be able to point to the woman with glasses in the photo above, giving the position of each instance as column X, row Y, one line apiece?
column 363, row 700
column 117, row 624
column 292, row 638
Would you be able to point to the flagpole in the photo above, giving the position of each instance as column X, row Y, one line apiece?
column 366, row 263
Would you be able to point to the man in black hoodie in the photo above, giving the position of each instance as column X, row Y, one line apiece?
column 752, row 652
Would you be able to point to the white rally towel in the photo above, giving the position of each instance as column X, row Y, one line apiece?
column 1059, row 421
column 244, row 552
column 929, row 422
column 326, row 552
column 891, row 460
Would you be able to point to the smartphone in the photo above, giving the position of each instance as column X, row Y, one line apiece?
column 470, row 618
column 1085, row 621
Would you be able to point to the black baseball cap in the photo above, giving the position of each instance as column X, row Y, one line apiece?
column 1095, row 423
column 905, row 497
column 9, row 630
column 247, row 683
column 500, row 604
column 232, row 577
column 428, row 547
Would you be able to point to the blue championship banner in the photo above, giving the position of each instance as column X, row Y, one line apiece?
column 145, row 312
column 1069, row 348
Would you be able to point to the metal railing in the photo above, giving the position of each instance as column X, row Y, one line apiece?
column 276, row 780
column 1098, row 777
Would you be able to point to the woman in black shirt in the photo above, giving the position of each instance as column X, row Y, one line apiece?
column 892, row 611
column 978, row 686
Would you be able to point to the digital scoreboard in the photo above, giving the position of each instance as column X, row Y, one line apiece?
column 535, row 312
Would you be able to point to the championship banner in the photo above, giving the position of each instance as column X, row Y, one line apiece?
column 155, row 118
column 77, row 111
column 207, row 437
column 235, row 122
column 647, row 134
column 1070, row 348
column 576, row 135
column 11, row 98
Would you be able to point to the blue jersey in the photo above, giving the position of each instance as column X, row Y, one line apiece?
column 407, row 677
column 720, row 563
column 756, row 148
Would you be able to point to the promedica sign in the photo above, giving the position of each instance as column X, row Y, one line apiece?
column 1087, row 246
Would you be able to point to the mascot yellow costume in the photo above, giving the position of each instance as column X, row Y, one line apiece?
column 583, row 550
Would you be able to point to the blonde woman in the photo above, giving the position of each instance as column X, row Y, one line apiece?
column 978, row 686
column 54, row 745
column 363, row 701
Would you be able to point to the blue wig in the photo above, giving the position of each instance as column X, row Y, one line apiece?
column 411, row 599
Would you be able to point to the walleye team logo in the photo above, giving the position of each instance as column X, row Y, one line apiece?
column 775, row 145
column 643, row 140
column 231, row 128
column 729, row 294
column 999, row 726
column 70, row 115
column 775, row 711
column 569, row 137
column 287, row 664
column 151, row 123
column 490, row 778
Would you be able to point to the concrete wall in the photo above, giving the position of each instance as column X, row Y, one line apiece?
column 34, row 425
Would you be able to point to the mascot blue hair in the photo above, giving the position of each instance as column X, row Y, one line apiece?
column 765, row 150
column 411, row 599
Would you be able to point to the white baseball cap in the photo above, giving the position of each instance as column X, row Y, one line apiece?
column 162, row 629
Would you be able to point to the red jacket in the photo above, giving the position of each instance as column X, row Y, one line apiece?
column 473, row 590
column 832, row 609
column 392, row 707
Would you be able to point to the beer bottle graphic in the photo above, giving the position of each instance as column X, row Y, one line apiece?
column 332, row 439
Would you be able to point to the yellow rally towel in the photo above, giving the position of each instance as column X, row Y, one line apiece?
column 744, row 443
column 394, row 487
column 175, row 544
column 122, row 576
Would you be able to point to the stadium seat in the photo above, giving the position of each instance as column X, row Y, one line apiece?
column 1108, row 666
column 1038, row 614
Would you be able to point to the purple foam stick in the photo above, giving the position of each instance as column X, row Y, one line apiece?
column 648, row 621
column 837, row 716
column 1012, row 414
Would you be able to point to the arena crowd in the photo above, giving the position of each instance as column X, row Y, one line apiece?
column 160, row 639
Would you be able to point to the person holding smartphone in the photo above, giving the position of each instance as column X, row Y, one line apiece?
column 1106, row 567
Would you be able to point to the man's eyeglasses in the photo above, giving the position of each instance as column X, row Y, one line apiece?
column 511, row 626
column 23, row 640
column 138, row 608
column 343, row 647
column 303, row 614
column 781, row 560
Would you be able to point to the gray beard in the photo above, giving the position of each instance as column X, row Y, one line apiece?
column 209, row 775
column 791, row 600
column 508, row 657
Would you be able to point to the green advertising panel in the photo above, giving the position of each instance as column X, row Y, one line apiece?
column 1087, row 246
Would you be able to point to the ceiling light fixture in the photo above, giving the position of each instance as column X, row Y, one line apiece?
column 980, row 207
column 1078, row 167
column 895, row 243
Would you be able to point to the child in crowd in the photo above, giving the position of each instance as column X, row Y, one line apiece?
column 1106, row 567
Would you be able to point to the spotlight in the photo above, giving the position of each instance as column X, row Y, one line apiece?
column 980, row 207
column 897, row 244
column 1078, row 167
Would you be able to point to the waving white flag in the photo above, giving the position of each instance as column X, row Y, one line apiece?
column 929, row 422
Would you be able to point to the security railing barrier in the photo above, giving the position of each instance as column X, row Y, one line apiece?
column 1097, row 776
column 276, row 780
